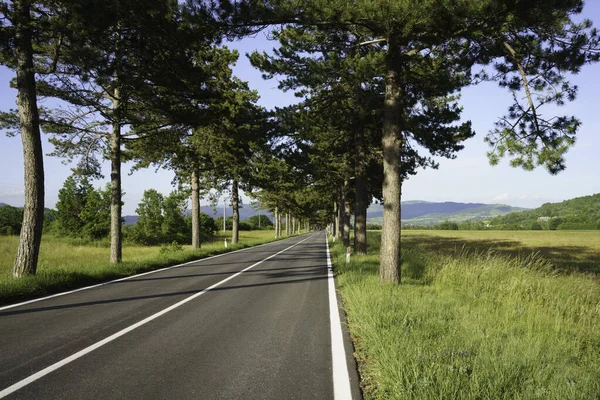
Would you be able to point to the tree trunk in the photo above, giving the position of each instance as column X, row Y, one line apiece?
column 392, row 143
column 235, row 199
column 288, row 231
column 276, row 222
column 340, row 214
column 196, row 241
column 335, row 219
column 116, row 234
column 29, row 123
column 361, row 195
column 347, row 211
column 279, row 224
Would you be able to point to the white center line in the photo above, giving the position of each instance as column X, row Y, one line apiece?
column 341, row 377
column 32, row 378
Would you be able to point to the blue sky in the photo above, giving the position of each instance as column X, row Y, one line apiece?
column 468, row 178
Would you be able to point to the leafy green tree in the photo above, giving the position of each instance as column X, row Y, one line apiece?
column 150, row 222
column 449, row 226
column 174, row 227
column 260, row 221
column 72, row 200
column 11, row 219
column 96, row 213
column 208, row 226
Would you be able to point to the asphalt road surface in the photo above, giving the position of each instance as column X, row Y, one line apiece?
column 202, row 330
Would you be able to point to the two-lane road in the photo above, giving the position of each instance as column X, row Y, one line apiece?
column 251, row 324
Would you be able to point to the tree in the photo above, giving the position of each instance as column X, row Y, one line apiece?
column 181, row 147
column 19, row 31
column 72, row 200
column 174, row 227
column 150, row 222
column 118, row 72
column 430, row 49
column 260, row 221
column 96, row 213
column 11, row 219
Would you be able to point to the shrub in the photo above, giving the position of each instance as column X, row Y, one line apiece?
column 373, row 227
column 170, row 248
column 449, row 226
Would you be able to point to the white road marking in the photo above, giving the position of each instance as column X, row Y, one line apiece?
column 32, row 378
column 341, row 377
column 130, row 277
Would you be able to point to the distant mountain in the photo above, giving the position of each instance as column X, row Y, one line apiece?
column 430, row 213
column 578, row 213
column 130, row 219
column 245, row 213
column 4, row 204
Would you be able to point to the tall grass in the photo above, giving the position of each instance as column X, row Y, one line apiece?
column 472, row 325
column 70, row 263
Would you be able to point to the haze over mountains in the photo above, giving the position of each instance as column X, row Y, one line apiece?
column 425, row 213
column 416, row 212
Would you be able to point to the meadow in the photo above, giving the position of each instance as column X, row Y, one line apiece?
column 67, row 263
column 479, row 315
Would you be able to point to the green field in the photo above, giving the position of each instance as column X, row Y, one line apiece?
column 70, row 263
column 479, row 315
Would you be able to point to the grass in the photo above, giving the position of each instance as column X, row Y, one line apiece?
column 71, row 263
column 473, row 323
column 569, row 251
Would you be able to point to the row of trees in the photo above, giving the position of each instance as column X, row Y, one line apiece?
column 381, row 81
column 378, row 83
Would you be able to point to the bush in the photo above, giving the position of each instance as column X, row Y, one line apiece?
column 449, row 226
column 536, row 226
column 172, row 247
column 373, row 227
column 244, row 226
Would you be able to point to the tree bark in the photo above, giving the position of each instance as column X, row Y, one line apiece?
column 116, row 234
column 196, row 241
column 279, row 224
column 335, row 219
column 288, row 226
column 29, row 123
column 392, row 143
column 235, row 199
column 276, row 222
column 340, row 214
column 347, row 211
column 361, row 195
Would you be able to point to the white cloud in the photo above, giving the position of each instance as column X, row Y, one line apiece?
column 501, row 197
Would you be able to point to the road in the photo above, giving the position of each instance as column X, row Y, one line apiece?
column 251, row 324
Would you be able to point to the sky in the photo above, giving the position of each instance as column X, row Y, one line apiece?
column 468, row 178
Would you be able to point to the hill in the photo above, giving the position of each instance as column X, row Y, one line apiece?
column 432, row 213
column 245, row 213
column 578, row 213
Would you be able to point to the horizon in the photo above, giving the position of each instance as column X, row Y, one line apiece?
column 219, row 207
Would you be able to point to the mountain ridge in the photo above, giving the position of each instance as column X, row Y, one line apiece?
column 433, row 213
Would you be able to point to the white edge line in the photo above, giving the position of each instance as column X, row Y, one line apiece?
column 135, row 276
column 341, row 377
column 32, row 378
